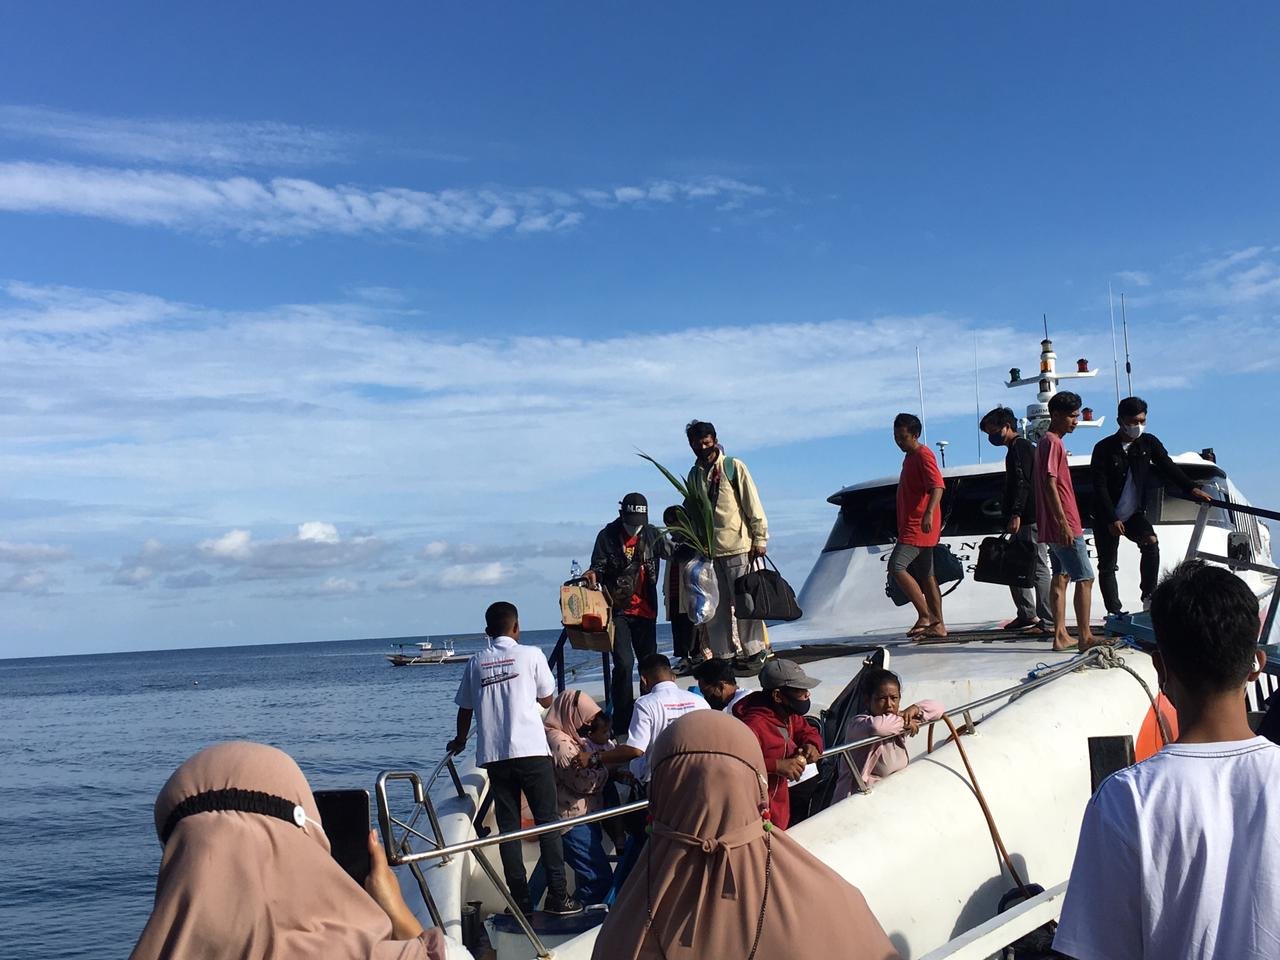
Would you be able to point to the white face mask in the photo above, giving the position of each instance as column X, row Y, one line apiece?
column 1132, row 431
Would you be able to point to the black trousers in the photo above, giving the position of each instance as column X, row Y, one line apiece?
column 634, row 638
column 535, row 778
column 1137, row 528
column 681, row 635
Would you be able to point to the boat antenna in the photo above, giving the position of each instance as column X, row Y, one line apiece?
column 977, row 397
column 924, row 420
column 1115, row 363
column 1045, row 316
column 1128, row 367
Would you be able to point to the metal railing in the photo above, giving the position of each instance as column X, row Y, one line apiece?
column 1236, row 563
column 399, row 852
column 556, row 660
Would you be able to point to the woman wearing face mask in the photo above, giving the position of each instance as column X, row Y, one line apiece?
column 880, row 696
column 776, row 716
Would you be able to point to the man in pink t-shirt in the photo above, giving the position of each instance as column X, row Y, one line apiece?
column 1058, row 523
column 919, row 526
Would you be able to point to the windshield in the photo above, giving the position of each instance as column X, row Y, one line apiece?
column 973, row 506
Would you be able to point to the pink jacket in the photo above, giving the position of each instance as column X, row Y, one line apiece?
column 877, row 762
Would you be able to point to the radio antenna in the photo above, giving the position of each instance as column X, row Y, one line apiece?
column 1128, row 367
column 977, row 397
column 924, row 420
column 1115, row 362
column 1046, row 325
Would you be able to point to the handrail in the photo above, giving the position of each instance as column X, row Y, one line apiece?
column 1233, row 563
column 995, row 934
column 527, row 833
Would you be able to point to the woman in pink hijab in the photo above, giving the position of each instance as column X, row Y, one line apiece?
column 714, row 879
column 577, row 728
column 246, row 872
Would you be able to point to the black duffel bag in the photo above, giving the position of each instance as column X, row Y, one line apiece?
column 1008, row 562
column 762, row 594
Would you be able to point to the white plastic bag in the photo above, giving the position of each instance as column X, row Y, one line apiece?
column 699, row 590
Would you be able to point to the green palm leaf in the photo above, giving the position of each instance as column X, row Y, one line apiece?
column 697, row 525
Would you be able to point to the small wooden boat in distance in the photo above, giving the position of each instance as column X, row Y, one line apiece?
column 425, row 654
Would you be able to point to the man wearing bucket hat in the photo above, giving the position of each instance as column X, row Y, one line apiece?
column 789, row 743
column 625, row 561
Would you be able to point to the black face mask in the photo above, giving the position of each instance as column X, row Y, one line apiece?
column 995, row 440
column 797, row 707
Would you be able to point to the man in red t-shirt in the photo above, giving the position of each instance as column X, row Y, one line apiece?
column 1058, row 523
column 919, row 525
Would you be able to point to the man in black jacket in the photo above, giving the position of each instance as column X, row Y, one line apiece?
column 625, row 559
column 1120, row 467
column 1019, row 502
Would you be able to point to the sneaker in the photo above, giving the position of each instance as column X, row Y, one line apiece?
column 681, row 667
column 1146, row 604
column 1018, row 623
column 562, row 906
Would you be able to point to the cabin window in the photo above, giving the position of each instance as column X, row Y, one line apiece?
column 973, row 507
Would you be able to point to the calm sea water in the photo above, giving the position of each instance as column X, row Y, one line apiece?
column 87, row 742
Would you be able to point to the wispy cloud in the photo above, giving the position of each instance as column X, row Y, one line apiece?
column 203, row 143
column 292, row 207
column 1137, row 278
column 27, row 553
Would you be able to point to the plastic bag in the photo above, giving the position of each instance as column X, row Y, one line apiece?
column 699, row 590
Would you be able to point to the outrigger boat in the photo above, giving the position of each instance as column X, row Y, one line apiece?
column 970, row 813
column 425, row 654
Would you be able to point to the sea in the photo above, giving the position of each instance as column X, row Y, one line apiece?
column 86, row 742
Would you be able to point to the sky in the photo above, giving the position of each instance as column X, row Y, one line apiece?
column 316, row 325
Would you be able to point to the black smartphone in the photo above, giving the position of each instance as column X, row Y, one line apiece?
column 344, row 814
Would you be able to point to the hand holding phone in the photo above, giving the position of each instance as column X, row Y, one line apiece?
column 344, row 815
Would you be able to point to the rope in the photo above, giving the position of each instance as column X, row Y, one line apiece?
column 1108, row 658
column 986, row 810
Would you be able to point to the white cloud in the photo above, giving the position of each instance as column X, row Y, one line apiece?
column 474, row 575
column 318, row 531
column 33, row 583
column 292, row 207
column 205, row 143
column 28, row 553
column 435, row 549
column 233, row 545
column 1138, row 278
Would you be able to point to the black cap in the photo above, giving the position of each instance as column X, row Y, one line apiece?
column 634, row 509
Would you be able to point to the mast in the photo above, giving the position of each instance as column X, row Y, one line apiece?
column 924, row 420
column 1128, row 367
column 977, row 397
column 1115, row 362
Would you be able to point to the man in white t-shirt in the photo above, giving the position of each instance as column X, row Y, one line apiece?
column 1179, row 856
column 503, row 685
column 662, row 701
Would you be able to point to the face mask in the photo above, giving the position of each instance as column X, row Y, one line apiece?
column 798, row 707
column 631, row 528
column 714, row 702
column 1132, row 431
column 995, row 439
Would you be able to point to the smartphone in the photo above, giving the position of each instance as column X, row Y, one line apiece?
column 344, row 814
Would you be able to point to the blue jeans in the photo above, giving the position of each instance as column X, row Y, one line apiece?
column 584, row 853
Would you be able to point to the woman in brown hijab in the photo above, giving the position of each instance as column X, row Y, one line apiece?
column 714, row 880
column 246, row 872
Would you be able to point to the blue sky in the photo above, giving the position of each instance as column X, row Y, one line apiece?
column 317, row 326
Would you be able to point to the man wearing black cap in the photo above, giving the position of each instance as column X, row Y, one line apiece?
column 625, row 560
column 789, row 743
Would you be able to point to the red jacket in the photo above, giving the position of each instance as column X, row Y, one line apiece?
column 781, row 735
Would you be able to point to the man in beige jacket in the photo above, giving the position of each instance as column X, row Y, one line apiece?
column 742, row 535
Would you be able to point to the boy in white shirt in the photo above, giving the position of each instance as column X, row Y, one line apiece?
column 1179, row 856
column 503, row 685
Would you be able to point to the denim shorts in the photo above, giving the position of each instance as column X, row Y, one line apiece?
column 1072, row 561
